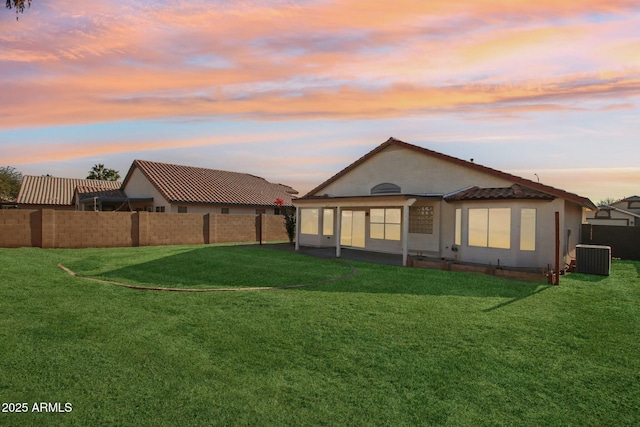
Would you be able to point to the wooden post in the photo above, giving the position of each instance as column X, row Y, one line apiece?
column 556, row 280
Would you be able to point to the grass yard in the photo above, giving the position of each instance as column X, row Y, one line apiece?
column 388, row 346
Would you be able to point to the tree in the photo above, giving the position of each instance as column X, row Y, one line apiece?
column 289, row 216
column 606, row 202
column 18, row 5
column 104, row 174
column 10, row 180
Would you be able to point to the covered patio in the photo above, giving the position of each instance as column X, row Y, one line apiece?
column 374, row 223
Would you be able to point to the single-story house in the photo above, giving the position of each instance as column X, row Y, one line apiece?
column 625, row 213
column 404, row 199
column 158, row 187
column 48, row 192
column 182, row 189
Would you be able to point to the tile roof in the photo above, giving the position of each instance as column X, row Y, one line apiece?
column 86, row 192
column 49, row 190
column 516, row 191
column 583, row 201
column 188, row 184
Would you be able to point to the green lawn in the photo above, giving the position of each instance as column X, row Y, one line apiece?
column 388, row 346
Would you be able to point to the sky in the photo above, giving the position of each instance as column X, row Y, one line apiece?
column 294, row 91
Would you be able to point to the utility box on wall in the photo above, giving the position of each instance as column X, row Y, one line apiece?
column 593, row 259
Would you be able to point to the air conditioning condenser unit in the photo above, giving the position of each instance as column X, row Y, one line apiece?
column 593, row 259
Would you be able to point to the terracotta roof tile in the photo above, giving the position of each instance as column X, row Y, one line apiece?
column 514, row 192
column 49, row 190
column 188, row 184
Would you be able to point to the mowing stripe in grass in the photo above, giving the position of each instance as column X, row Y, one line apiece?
column 353, row 271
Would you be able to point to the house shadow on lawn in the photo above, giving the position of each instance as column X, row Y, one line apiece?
column 226, row 267
column 383, row 274
column 269, row 266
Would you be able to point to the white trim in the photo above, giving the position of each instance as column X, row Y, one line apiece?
column 405, row 234
column 297, row 228
column 338, row 234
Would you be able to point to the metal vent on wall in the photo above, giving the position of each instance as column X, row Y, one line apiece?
column 593, row 259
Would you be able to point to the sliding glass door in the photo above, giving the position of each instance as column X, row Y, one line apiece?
column 353, row 228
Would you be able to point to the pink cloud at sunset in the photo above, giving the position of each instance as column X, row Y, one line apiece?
column 317, row 72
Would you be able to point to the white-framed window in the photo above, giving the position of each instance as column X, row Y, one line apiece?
column 385, row 223
column 490, row 227
column 159, row 208
column 309, row 220
column 457, row 239
column 327, row 222
column 528, row 229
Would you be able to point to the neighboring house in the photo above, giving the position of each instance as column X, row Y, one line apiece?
column 175, row 188
column 401, row 198
column 625, row 213
column 48, row 192
column 630, row 204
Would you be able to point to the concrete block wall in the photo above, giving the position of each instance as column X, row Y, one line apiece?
column 78, row 229
column 273, row 228
column 233, row 228
column 20, row 228
column 173, row 229
column 49, row 228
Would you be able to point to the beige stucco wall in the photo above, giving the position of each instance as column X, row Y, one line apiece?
column 571, row 216
column 138, row 186
column 414, row 172
column 513, row 257
column 572, row 225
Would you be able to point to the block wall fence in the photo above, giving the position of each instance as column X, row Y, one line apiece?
column 50, row 228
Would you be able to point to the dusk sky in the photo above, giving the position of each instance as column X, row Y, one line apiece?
column 294, row 91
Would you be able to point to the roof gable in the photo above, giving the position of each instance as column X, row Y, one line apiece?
column 49, row 190
column 188, row 184
column 392, row 142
